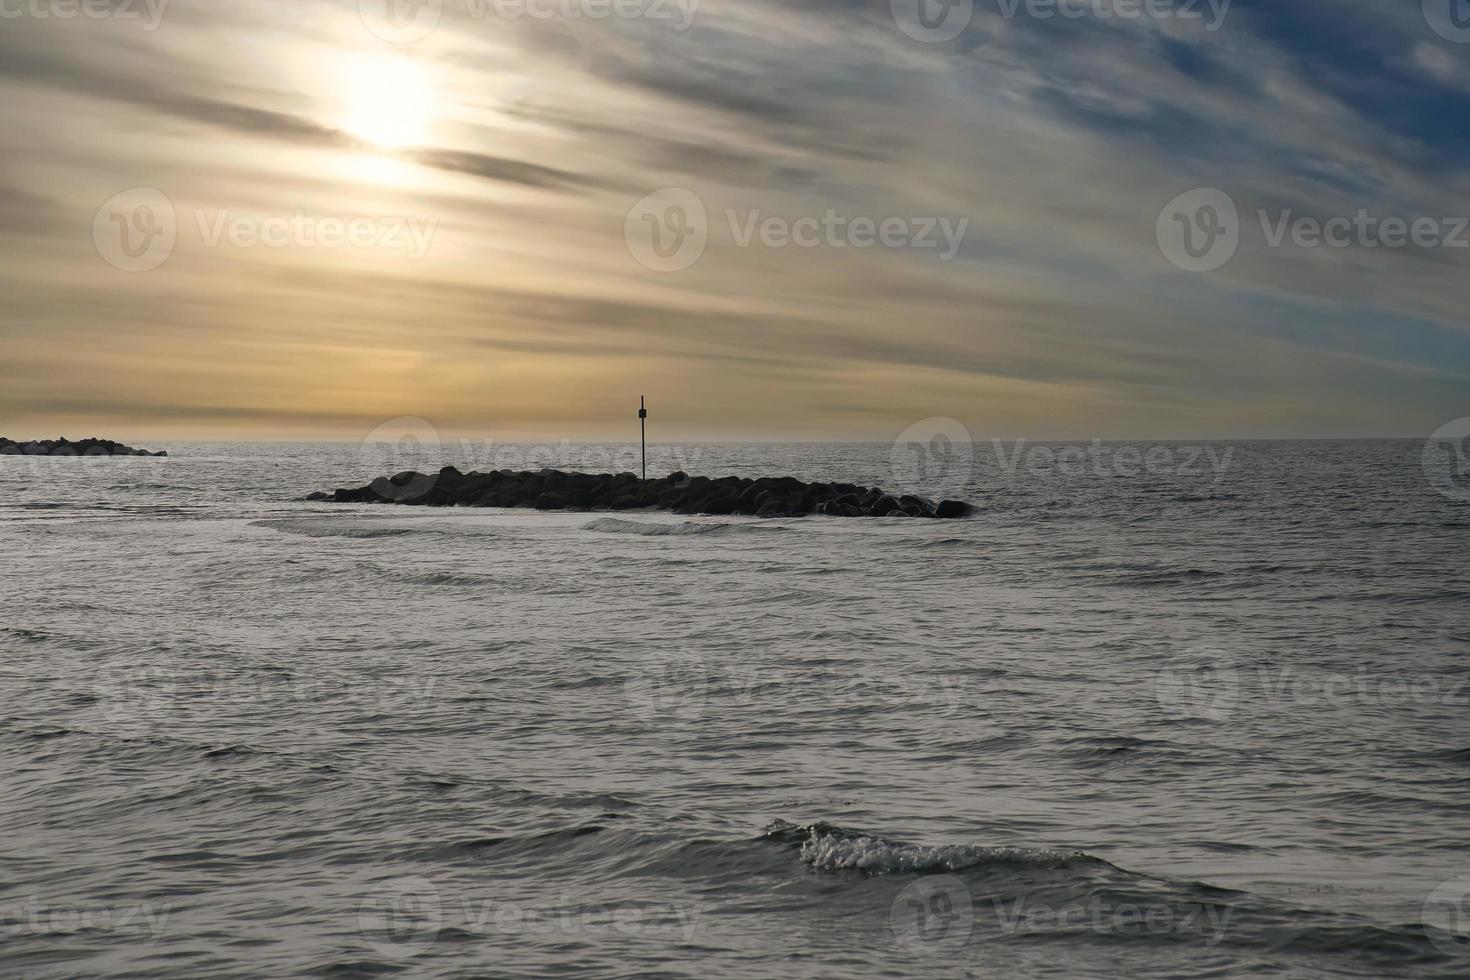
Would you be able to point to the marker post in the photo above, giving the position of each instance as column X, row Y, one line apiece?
column 643, row 431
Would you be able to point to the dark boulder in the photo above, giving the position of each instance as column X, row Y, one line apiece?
column 773, row 507
column 551, row 501
column 883, row 506
column 720, row 505
column 950, row 509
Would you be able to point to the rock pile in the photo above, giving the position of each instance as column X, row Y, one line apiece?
column 782, row 496
column 65, row 447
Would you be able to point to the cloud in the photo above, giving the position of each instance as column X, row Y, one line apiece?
column 1058, row 139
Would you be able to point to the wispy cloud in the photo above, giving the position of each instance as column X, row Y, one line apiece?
column 1058, row 140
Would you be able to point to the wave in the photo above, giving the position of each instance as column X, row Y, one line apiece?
column 156, row 486
column 454, row 579
column 324, row 529
column 828, row 847
column 28, row 635
column 615, row 525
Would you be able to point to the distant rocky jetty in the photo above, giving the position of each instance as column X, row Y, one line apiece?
column 65, row 447
column 781, row 496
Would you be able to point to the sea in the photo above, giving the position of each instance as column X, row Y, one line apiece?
column 1151, row 711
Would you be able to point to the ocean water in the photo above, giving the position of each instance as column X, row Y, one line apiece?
column 1175, row 712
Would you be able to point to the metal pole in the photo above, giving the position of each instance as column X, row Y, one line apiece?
column 643, row 430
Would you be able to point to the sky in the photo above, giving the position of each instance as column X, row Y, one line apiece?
column 303, row 219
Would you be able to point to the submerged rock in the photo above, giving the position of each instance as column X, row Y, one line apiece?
column 65, row 447
column 554, row 490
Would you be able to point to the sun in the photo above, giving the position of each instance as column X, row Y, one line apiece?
column 387, row 101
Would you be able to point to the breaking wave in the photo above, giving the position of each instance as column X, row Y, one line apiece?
column 831, row 848
column 615, row 525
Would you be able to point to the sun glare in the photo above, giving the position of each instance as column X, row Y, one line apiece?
column 388, row 102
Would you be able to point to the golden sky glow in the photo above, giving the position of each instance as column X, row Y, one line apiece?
column 365, row 228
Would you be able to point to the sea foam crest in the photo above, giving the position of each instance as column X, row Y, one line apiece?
column 614, row 525
column 829, row 848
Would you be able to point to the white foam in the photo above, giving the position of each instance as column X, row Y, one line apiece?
column 614, row 525
column 877, row 856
